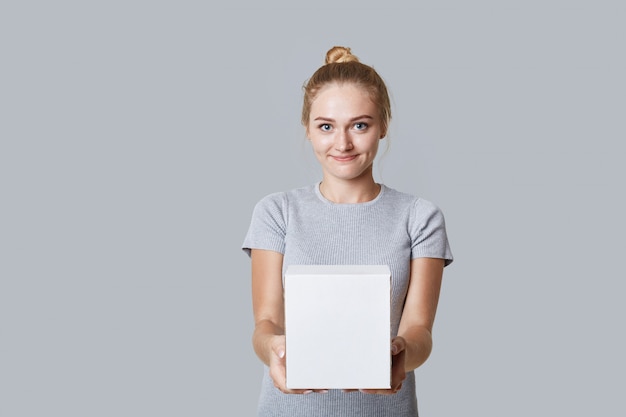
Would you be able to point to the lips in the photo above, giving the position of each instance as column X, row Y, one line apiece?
column 345, row 158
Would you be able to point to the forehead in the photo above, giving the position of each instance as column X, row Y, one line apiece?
column 343, row 99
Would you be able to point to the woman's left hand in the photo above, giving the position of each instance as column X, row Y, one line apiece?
column 398, row 373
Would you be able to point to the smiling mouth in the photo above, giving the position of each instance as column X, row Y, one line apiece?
column 344, row 158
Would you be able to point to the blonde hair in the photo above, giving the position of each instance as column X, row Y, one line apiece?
column 343, row 67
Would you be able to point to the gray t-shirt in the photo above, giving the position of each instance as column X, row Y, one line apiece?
column 308, row 229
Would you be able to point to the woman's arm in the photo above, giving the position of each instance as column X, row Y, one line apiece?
column 414, row 342
column 418, row 316
column 267, row 301
column 268, row 307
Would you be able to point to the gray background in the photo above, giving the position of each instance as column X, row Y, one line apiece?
column 136, row 137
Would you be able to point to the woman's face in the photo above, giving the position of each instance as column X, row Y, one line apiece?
column 344, row 129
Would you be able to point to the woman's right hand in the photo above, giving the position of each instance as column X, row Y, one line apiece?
column 278, row 368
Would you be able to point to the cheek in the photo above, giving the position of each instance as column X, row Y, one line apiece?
column 316, row 146
column 370, row 144
column 321, row 143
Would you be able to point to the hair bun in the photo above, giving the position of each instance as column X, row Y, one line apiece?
column 338, row 54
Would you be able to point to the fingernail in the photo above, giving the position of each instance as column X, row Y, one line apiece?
column 324, row 391
column 281, row 354
column 394, row 349
column 308, row 391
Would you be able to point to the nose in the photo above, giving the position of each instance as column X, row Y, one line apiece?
column 344, row 142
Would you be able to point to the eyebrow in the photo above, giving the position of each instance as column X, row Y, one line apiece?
column 327, row 119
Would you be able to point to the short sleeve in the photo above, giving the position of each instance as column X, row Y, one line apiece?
column 427, row 228
column 268, row 225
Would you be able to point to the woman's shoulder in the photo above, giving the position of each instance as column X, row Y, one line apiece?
column 280, row 198
column 420, row 204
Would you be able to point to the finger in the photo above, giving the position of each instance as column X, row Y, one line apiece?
column 282, row 388
column 304, row 391
column 377, row 391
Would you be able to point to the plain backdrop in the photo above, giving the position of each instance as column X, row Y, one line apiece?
column 136, row 137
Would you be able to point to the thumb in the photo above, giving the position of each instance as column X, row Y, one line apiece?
column 279, row 350
column 397, row 345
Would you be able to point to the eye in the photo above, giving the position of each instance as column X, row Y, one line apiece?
column 325, row 127
column 360, row 126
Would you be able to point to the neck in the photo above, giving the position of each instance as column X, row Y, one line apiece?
column 349, row 192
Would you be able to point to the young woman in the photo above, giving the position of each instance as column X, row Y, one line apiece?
column 347, row 219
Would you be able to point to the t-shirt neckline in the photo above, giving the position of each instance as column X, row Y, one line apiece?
column 365, row 203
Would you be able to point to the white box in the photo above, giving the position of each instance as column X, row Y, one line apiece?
column 338, row 326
